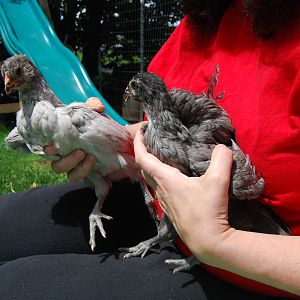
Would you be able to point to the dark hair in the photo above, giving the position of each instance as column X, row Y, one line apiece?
column 265, row 15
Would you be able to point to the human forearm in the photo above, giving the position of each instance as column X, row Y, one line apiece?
column 201, row 221
column 270, row 259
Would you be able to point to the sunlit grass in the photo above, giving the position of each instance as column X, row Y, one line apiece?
column 19, row 171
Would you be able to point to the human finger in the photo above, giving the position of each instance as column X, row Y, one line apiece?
column 154, row 170
column 83, row 169
column 148, row 162
column 220, row 165
column 68, row 162
column 95, row 104
column 50, row 150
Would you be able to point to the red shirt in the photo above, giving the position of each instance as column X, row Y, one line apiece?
column 261, row 81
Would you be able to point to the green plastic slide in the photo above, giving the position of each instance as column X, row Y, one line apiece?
column 26, row 30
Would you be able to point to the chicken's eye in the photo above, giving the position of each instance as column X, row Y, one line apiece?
column 133, row 84
column 18, row 71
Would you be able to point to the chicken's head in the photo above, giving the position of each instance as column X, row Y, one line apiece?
column 17, row 72
column 145, row 88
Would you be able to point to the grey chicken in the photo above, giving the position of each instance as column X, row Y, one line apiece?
column 182, row 131
column 43, row 119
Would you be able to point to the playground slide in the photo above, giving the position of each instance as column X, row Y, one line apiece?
column 26, row 30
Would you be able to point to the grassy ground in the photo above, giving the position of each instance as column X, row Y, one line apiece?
column 19, row 171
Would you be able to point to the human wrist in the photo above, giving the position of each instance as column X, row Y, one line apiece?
column 209, row 245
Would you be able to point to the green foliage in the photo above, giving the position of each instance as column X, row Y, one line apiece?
column 20, row 171
column 109, row 58
column 136, row 59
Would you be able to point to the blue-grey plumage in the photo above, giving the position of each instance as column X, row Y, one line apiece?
column 182, row 131
column 14, row 141
column 43, row 120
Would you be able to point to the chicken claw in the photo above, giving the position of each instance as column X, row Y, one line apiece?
column 184, row 264
column 95, row 221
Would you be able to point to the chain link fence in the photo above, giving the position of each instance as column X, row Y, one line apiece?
column 139, row 30
column 136, row 31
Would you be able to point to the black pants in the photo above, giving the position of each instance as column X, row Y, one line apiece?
column 44, row 250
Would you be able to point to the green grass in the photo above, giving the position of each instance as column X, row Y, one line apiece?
column 23, row 171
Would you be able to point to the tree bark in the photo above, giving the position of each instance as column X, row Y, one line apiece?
column 45, row 7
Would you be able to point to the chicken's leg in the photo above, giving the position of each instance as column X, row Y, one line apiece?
column 102, row 187
column 166, row 233
column 149, row 201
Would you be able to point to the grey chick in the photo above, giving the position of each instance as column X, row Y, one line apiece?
column 182, row 131
column 43, row 120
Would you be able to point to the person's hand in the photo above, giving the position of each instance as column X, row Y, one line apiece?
column 197, row 206
column 95, row 104
column 77, row 164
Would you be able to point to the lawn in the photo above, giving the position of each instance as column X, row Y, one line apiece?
column 19, row 171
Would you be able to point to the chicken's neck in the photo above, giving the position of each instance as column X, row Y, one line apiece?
column 163, row 119
column 35, row 91
column 156, row 105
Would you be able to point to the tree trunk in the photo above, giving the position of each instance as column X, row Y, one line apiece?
column 45, row 7
column 91, row 40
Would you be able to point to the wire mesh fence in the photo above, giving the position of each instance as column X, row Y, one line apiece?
column 127, row 32
column 139, row 30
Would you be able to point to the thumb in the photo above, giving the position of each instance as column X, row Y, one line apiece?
column 95, row 104
column 220, row 165
column 154, row 170
column 148, row 162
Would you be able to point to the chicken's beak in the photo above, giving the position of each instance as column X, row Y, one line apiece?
column 126, row 95
column 9, row 84
column 130, row 94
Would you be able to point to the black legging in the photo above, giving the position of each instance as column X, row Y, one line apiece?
column 44, row 250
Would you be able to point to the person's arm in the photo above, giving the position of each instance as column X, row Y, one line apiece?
column 198, row 208
column 77, row 164
column 133, row 128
